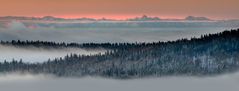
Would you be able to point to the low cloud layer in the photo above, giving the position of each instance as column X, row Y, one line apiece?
column 9, row 53
column 84, row 32
column 16, row 82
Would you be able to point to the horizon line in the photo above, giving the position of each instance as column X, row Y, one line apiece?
column 101, row 17
column 122, row 18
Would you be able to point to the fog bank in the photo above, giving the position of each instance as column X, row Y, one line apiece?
column 14, row 82
column 99, row 32
column 32, row 54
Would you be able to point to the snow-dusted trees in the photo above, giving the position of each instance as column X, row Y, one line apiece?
column 209, row 55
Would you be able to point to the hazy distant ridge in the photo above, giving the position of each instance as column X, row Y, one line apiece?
column 142, row 18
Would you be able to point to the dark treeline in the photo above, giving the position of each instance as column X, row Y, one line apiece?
column 211, row 54
column 45, row 44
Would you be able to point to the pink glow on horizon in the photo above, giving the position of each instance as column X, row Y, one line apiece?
column 116, row 17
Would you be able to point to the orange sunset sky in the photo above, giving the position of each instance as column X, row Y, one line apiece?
column 121, row 9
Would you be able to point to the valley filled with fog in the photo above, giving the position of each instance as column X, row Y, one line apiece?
column 104, row 32
column 17, row 82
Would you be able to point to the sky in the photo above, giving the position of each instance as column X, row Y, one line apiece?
column 121, row 9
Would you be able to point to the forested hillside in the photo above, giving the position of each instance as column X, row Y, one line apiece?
column 211, row 54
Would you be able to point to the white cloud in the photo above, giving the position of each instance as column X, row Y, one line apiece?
column 16, row 25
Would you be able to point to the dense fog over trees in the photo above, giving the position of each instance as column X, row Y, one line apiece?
column 211, row 54
column 35, row 54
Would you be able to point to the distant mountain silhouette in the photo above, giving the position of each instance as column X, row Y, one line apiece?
column 18, row 18
column 194, row 18
column 142, row 18
column 51, row 18
column 46, row 18
column 145, row 18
